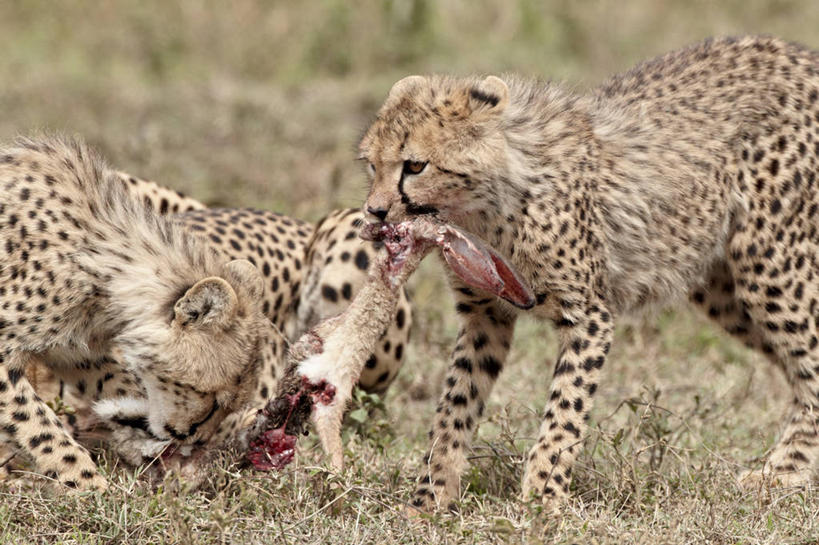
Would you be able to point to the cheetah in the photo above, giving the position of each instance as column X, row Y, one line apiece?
column 309, row 272
column 312, row 271
column 691, row 175
column 89, row 271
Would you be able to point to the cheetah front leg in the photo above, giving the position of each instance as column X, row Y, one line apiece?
column 583, row 349
column 481, row 349
column 32, row 427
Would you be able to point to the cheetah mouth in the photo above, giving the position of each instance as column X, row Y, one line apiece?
column 469, row 257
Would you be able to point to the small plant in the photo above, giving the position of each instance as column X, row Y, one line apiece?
column 368, row 420
column 60, row 407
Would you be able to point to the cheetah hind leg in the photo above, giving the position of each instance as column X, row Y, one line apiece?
column 790, row 461
column 789, row 338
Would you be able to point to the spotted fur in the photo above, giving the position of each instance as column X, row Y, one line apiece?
column 89, row 271
column 310, row 273
column 692, row 175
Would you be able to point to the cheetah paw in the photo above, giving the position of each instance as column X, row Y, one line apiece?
column 80, row 483
column 413, row 513
column 552, row 504
column 426, row 502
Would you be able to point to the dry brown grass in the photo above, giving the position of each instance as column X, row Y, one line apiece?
column 260, row 104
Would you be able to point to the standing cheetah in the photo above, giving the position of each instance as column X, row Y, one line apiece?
column 690, row 175
column 89, row 271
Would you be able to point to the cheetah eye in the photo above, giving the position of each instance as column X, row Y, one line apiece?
column 414, row 167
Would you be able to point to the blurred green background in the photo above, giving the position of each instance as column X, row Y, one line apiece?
column 261, row 102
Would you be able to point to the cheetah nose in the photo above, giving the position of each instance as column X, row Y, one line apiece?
column 380, row 213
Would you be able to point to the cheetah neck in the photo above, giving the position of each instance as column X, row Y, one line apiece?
column 584, row 164
column 546, row 128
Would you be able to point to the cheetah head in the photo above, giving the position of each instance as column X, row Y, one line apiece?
column 198, row 364
column 435, row 147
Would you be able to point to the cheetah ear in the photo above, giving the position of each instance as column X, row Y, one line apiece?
column 210, row 302
column 245, row 277
column 489, row 96
column 405, row 86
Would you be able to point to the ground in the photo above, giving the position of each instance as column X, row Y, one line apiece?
column 241, row 108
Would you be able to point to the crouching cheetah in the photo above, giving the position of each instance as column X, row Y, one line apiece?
column 690, row 175
column 309, row 273
column 90, row 271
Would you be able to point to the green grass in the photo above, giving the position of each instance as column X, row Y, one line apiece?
column 261, row 103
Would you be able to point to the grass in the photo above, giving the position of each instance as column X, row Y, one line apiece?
column 260, row 103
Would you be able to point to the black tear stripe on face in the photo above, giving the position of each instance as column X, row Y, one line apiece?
column 137, row 422
column 195, row 426
column 412, row 208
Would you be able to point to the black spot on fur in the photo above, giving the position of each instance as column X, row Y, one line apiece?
column 463, row 364
column 15, row 375
column 491, row 366
column 362, row 261
column 329, row 293
column 37, row 440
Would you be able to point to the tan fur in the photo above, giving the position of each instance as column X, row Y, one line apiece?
column 338, row 262
column 691, row 175
column 89, row 271
column 160, row 199
column 309, row 274
column 315, row 270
